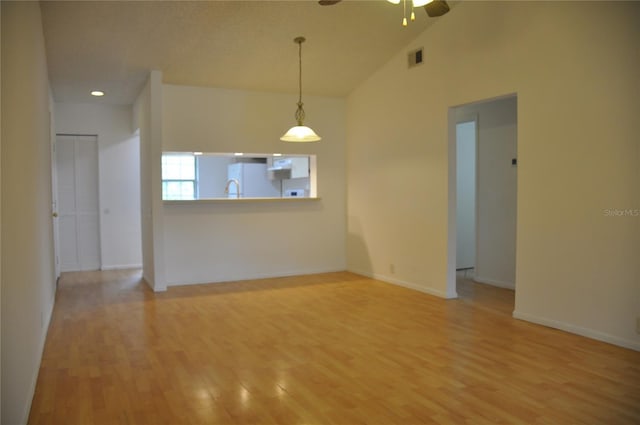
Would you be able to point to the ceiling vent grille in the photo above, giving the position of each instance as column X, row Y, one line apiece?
column 415, row 57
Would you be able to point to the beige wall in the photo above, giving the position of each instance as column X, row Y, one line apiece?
column 574, row 67
column 28, row 282
column 207, row 242
column 0, row 219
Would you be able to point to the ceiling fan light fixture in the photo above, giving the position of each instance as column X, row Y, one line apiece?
column 300, row 132
column 432, row 7
column 418, row 3
column 436, row 8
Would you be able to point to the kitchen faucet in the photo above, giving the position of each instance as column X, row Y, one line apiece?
column 226, row 188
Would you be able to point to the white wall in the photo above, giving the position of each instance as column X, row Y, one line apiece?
column 119, row 177
column 27, row 280
column 147, row 119
column 466, row 195
column 578, row 99
column 0, row 221
column 497, row 179
column 142, row 124
column 210, row 242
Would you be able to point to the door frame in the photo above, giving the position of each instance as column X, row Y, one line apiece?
column 55, row 196
column 469, row 117
column 452, row 191
column 54, row 206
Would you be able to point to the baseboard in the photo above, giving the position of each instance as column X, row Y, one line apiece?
column 405, row 284
column 493, row 282
column 34, row 379
column 252, row 276
column 122, row 267
column 146, row 280
column 578, row 330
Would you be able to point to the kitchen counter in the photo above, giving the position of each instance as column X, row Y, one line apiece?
column 239, row 200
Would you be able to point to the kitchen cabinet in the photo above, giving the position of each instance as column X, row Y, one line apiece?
column 299, row 166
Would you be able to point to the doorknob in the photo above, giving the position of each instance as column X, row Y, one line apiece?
column 55, row 214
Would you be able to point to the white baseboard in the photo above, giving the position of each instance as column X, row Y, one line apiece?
column 147, row 282
column 405, row 284
column 578, row 330
column 498, row 283
column 34, row 380
column 122, row 267
column 252, row 276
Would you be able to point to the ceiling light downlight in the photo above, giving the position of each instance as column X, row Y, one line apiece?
column 97, row 93
column 300, row 132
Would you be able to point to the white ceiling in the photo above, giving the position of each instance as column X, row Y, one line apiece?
column 113, row 45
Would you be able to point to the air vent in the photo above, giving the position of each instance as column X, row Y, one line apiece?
column 415, row 57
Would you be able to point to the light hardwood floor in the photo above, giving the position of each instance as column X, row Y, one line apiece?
column 322, row 349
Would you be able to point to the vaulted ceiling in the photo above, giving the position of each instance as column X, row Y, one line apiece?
column 249, row 45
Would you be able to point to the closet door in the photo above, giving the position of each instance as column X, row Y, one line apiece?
column 78, row 202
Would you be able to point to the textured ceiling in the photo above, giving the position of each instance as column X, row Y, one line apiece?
column 232, row 44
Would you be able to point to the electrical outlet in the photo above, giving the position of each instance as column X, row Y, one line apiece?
column 392, row 268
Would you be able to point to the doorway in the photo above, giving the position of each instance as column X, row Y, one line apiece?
column 483, row 188
column 77, row 200
column 466, row 148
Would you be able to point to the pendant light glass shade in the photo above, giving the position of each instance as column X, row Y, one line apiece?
column 300, row 132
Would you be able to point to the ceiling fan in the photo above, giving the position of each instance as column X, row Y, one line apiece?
column 434, row 8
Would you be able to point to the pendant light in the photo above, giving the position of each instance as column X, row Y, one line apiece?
column 300, row 132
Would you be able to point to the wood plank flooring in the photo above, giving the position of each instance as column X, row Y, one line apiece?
column 321, row 349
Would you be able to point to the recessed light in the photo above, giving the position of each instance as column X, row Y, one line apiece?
column 277, row 154
column 197, row 153
column 238, row 154
column 97, row 93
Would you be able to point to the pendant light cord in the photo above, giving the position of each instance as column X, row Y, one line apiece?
column 300, row 132
column 300, row 112
column 300, row 74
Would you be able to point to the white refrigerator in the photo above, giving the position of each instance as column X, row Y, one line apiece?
column 253, row 181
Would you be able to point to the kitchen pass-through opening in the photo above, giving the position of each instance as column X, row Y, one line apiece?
column 199, row 176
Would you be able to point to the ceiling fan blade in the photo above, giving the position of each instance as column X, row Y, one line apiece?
column 328, row 2
column 436, row 8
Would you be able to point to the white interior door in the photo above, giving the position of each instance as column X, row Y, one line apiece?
column 78, row 202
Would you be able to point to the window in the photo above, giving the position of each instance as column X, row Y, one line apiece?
column 178, row 177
